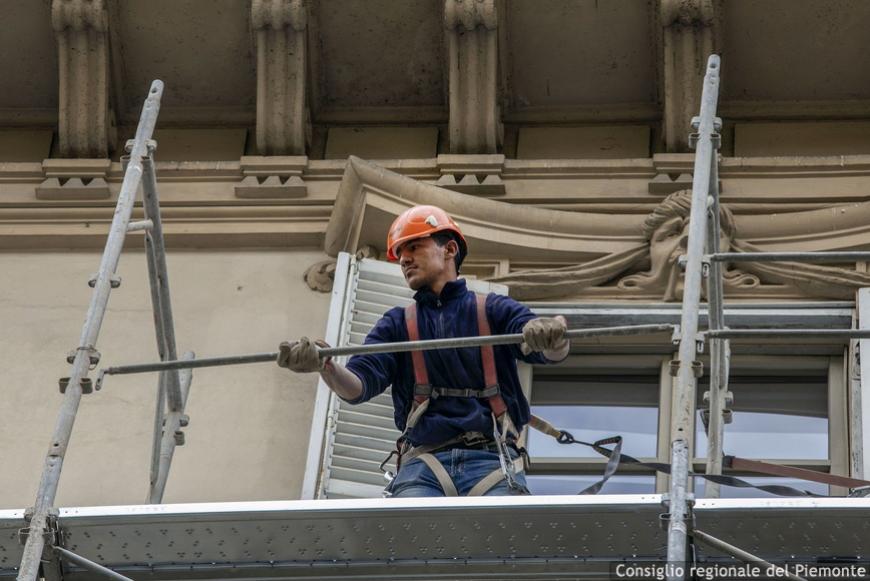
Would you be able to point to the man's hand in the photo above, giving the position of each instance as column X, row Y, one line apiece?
column 302, row 356
column 545, row 334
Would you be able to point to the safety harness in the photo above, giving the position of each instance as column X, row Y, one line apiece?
column 504, row 434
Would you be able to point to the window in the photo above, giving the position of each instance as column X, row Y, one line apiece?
column 781, row 413
column 594, row 398
column 790, row 403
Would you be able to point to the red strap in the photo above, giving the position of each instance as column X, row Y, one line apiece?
column 792, row 472
column 421, row 375
column 487, row 356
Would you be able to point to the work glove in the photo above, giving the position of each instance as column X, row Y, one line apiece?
column 301, row 356
column 544, row 334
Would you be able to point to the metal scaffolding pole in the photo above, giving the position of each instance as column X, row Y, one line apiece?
column 170, row 436
column 158, row 276
column 37, row 528
column 90, row 565
column 719, row 348
column 744, row 556
column 398, row 347
column 684, row 393
column 788, row 333
column 850, row 256
column 170, row 389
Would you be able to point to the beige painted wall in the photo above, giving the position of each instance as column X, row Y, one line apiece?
column 249, row 424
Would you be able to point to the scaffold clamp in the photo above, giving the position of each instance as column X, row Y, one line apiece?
column 697, row 367
column 150, row 145
column 665, row 517
column 114, row 280
column 93, row 355
column 52, row 532
column 85, row 383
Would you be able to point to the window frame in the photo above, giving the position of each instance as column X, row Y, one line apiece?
column 841, row 417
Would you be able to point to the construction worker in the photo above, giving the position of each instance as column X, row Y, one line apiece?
column 459, row 410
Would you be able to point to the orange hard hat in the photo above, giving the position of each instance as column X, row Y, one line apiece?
column 420, row 222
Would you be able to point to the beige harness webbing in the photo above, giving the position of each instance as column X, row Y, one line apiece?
column 503, row 425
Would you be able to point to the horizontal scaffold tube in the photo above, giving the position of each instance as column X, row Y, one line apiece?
column 398, row 347
column 90, row 565
column 850, row 256
column 787, row 333
column 745, row 556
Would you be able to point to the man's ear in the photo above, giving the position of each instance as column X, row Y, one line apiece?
column 451, row 249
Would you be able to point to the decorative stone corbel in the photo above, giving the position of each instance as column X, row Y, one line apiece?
column 82, row 31
column 689, row 36
column 673, row 173
column 477, row 175
column 472, row 43
column 272, row 177
column 283, row 126
column 320, row 276
column 74, row 179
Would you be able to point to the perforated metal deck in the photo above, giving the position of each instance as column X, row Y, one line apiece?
column 506, row 537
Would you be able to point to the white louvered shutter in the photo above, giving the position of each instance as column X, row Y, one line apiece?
column 359, row 437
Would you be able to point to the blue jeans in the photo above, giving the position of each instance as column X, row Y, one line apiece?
column 465, row 467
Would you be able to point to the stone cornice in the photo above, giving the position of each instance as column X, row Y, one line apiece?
column 598, row 247
column 370, row 197
column 816, row 166
column 609, row 191
column 663, row 161
column 731, row 168
column 211, row 227
column 367, row 187
column 844, row 227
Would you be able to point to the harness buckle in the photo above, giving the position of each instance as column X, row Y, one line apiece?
column 504, row 459
column 473, row 438
column 423, row 389
column 388, row 475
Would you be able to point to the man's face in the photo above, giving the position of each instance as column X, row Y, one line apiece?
column 424, row 263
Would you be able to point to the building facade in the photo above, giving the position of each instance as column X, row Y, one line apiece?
column 556, row 133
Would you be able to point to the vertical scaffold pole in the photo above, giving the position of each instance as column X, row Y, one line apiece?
column 37, row 528
column 684, row 396
column 172, row 390
column 719, row 348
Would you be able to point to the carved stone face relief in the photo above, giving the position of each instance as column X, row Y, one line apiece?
column 667, row 230
column 667, row 243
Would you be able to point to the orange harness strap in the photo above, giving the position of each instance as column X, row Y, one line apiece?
column 422, row 387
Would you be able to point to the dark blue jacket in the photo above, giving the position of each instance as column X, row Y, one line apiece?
column 452, row 314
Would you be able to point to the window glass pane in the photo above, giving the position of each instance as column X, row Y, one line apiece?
column 735, row 492
column 637, row 425
column 572, row 484
column 773, row 417
column 595, row 406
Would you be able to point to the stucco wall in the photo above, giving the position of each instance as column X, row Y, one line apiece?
column 249, row 424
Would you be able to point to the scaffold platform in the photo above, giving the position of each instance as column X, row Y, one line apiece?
column 470, row 538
